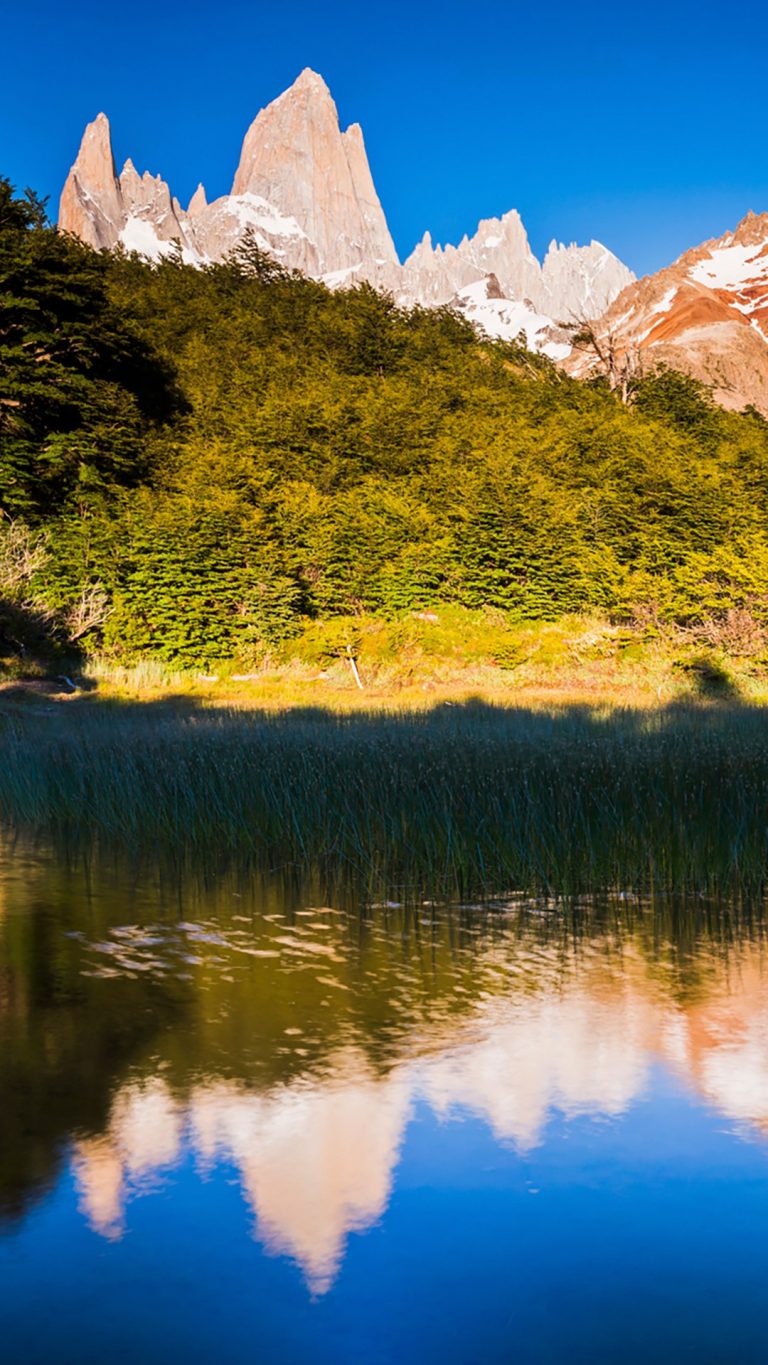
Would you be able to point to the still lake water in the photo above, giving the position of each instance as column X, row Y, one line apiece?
column 238, row 1124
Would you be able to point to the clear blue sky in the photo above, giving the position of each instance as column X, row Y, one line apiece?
column 642, row 125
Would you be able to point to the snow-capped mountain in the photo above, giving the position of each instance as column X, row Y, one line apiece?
column 305, row 190
column 706, row 315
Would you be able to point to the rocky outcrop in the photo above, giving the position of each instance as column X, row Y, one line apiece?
column 706, row 315
column 214, row 231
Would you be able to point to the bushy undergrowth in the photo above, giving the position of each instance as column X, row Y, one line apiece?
column 198, row 466
column 454, row 802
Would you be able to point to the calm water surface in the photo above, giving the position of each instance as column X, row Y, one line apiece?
column 238, row 1124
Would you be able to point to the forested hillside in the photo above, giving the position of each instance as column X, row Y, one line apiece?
column 194, row 462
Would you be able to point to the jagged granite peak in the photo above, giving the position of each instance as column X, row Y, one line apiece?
column 573, row 281
column 706, row 314
column 296, row 157
column 580, row 282
column 424, row 254
column 91, row 206
column 378, row 233
column 308, row 81
column 106, row 210
column 147, row 198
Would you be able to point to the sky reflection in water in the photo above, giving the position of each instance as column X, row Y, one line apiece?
column 237, row 1126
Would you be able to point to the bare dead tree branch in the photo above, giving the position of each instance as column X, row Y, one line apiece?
column 614, row 355
column 88, row 613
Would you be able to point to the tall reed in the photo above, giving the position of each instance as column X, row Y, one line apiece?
column 457, row 802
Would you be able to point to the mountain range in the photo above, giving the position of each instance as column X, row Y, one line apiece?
column 304, row 190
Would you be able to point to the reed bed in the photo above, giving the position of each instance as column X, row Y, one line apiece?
column 458, row 802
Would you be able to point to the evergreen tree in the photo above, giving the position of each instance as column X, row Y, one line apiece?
column 214, row 457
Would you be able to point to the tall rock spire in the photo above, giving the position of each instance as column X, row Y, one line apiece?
column 296, row 157
column 91, row 204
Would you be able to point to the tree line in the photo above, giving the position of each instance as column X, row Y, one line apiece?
column 195, row 462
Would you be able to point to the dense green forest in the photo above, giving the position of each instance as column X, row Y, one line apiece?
column 193, row 463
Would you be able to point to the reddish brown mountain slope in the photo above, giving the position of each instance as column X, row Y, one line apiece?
column 707, row 315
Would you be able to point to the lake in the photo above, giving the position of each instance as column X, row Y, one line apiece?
column 239, row 1124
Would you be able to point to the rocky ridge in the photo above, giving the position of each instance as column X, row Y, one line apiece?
column 304, row 189
column 573, row 281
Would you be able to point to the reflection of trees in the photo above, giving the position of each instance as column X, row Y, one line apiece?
column 66, row 1040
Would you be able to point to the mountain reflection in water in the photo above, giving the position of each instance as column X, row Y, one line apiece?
column 147, row 1030
column 316, row 1155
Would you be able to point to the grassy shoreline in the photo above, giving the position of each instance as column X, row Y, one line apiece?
column 422, row 659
